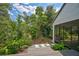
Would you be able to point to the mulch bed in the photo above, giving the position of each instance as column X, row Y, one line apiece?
column 41, row 41
column 22, row 50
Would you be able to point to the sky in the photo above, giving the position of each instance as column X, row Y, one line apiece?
column 29, row 8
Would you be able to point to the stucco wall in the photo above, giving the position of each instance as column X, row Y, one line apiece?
column 70, row 12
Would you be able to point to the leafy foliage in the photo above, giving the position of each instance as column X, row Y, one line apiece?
column 58, row 46
column 17, row 35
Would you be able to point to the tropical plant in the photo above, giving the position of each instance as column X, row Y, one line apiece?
column 58, row 46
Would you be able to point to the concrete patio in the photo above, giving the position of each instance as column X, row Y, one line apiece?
column 45, row 50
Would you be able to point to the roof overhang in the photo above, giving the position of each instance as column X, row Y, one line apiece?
column 68, row 15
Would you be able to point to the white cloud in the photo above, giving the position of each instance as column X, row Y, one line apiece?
column 24, row 8
column 32, row 9
column 20, row 8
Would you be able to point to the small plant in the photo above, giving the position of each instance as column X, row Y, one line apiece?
column 14, row 46
column 58, row 46
column 2, row 51
column 77, row 48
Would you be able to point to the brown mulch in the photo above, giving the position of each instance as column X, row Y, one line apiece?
column 41, row 41
column 22, row 50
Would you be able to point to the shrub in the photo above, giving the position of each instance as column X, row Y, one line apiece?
column 76, row 48
column 2, row 51
column 10, row 47
column 28, row 42
column 13, row 46
column 33, row 32
column 17, row 45
column 58, row 46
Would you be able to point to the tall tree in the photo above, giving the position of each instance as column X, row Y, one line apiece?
column 50, row 12
column 19, row 21
column 41, row 20
column 39, row 10
column 25, row 16
column 4, row 22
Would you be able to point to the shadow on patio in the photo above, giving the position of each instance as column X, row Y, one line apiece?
column 69, row 53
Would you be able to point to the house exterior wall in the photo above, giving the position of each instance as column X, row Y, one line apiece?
column 69, row 13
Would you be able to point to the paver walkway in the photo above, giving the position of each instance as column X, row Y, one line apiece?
column 45, row 50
